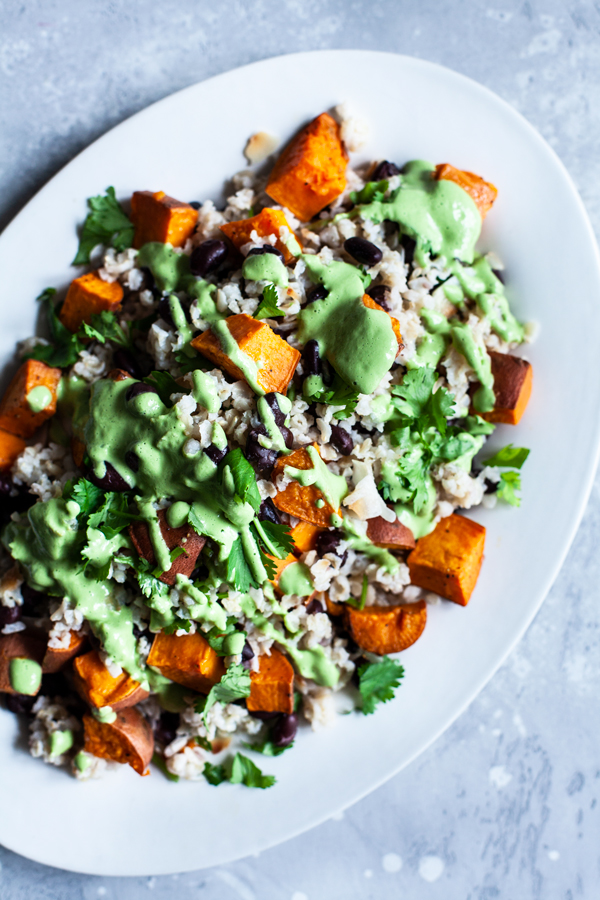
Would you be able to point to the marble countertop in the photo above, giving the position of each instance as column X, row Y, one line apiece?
column 504, row 805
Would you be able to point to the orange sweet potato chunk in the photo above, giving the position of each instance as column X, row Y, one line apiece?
column 10, row 447
column 19, row 645
column 448, row 560
column 16, row 415
column 305, row 535
column 483, row 193
column 299, row 500
column 184, row 537
column 387, row 629
column 99, row 688
column 272, row 687
column 158, row 217
column 390, row 535
column 88, row 295
column 513, row 380
column 128, row 739
column 311, row 170
column 372, row 304
column 268, row 221
column 189, row 660
column 275, row 359
column 56, row 658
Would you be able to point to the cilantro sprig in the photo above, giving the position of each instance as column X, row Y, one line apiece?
column 238, row 770
column 268, row 308
column 64, row 346
column 510, row 458
column 106, row 224
column 377, row 683
column 234, row 685
column 372, row 192
column 337, row 394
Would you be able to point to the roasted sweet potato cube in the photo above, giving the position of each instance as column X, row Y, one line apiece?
column 10, row 447
column 311, row 170
column 88, row 295
column 185, row 537
column 448, row 560
column 30, row 398
column 391, row 535
column 128, row 739
column 158, row 217
column 305, row 535
column 56, row 658
column 334, row 609
column 513, row 380
column 272, row 687
column 267, row 222
column 189, row 660
column 99, row 688
column 387, row 629
column 299, row 500
column 275, row 359
column 372, row 304
column 481, row 192
column 19, row 645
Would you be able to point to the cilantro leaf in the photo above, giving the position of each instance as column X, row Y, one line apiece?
column 215, row 775
column 234, row 684
column 226, row 643
column 160, row 763
column 373, row 192
column 178, row 625
column 337, row 394
column 105, row 327
column 165, row 385
column 377, row 682
column 64, row 346
column 87, row 495
column 509, row 457
column 238, row 570
column 360, row 603
column 267, row 308
column 412, row 396
column 281, row 542
column 476, row 425
column 113, row 515
column 107, row 224
column 243, row 771
column 510, row 483
column 244, row 478
column 96, row 573
column 268, row 748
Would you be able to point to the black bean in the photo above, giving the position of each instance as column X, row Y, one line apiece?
column 123, row 359
column 314, row 607
column 6, row 484
column 247, row 652
column 271, row 401
column 138, row 632
column 284, row 731
column 261, row 458
column 409, row 249
column 140, row 387
column 55, row 684
column 266, row 248
column 381, row 294
column 363, row 251
column 491, row 486
column 499, row 275
column 268, row 512
column 328, row 541
column 9, row 615
column 207, row 257
column 311, row 359
column 19, row 703
column 287, row 435
column 32, row 601
column 195, row 204
column 164, row 311
column 385, row 169
column 166, row 729
column 317, row 293
column 132, row 460
column 341, row 439
column 215, row 454
column 200, row 573
column 111, row 481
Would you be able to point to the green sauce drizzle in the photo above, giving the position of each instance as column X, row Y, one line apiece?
column 25, row 676
column 39, row 399
column 265, row 267
column 333, row 487
column 295, row 579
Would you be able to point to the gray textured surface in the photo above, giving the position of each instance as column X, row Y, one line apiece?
column 506, row 801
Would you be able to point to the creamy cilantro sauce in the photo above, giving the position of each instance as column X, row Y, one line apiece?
column 61, row 742
column 295, row 579
column 39, row 398
column 333, row 487
column 25, row 676
column 265, row 267
column 275, row 439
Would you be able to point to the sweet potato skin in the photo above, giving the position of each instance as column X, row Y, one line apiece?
column 158, row 217
column 372, row 304
column 19, row 645
column 10, row 447
column 88, row 295
column 513, row 381
column 185, row 537
column 275, row 358
column 483, row 193
column 272, row 687
column 56, row 658
column 310, row 172
column 299, row 500
column 99, row 688
column 15, row 414
column 188, row 660
column 268, row 221
column 386, row 629
column 390, row 535
column 448, row 560
column 128, row 739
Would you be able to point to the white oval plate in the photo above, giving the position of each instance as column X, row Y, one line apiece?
column 187, row 145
